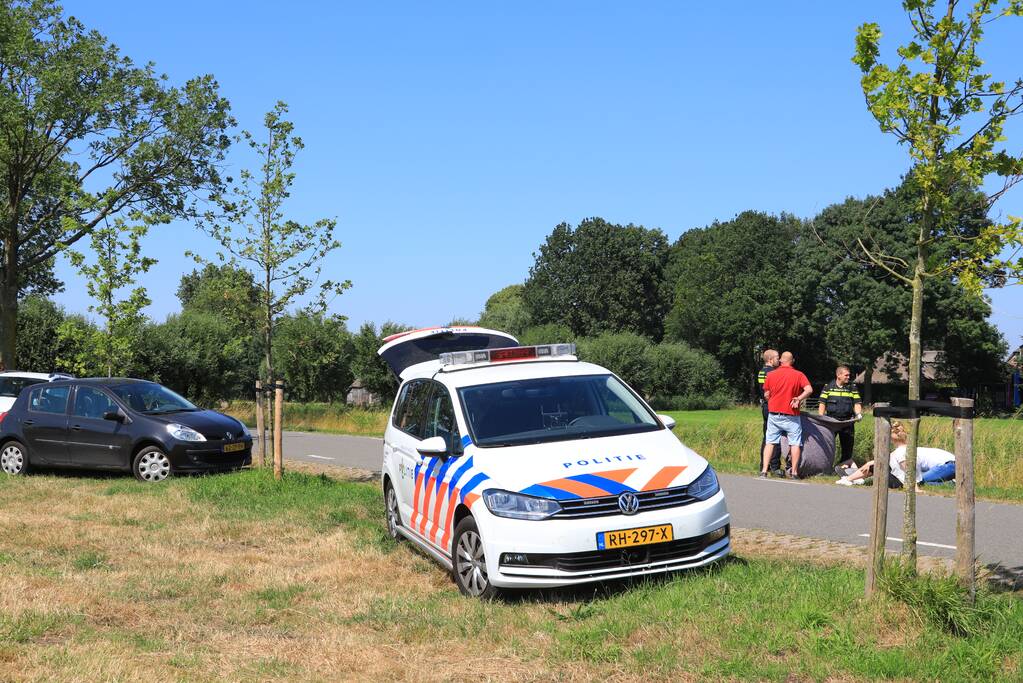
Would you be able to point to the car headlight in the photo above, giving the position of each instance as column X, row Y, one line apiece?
column 519, row 506
column 705, row 485
column 183, row 433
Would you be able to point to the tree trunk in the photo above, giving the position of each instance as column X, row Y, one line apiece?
column 8, row 304
column 867, row 390
column 915, row 325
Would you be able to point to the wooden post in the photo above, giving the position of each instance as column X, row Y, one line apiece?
column 278, row 437
column 879, row 528
column 260, row 424
column 965, row 503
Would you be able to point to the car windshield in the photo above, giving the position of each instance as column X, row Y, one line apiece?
column 553, row 409
column 10, row 387
column 151, row 398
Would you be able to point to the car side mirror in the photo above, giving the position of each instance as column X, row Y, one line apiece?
column 433, row 447
column 115, row 415
column 667, row 421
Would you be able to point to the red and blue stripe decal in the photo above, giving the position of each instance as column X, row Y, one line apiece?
column 600, row 484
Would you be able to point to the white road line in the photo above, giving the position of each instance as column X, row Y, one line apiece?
column 932, row 545
column 319, row 457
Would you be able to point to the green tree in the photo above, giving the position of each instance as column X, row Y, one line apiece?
column 314, row 354
column 677, row 372
column 285, row 256
column 198, row 355
column 118, row 262
column 738, row 289
column 600, row 277
column 39, row 319
column 623, row 353
column 506, row 311
column 370, row 368
column 950, row 116
column 85, row 136
column 864, row 309
column 223, row 290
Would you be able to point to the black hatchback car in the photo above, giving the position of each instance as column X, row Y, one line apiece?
column 118, row 424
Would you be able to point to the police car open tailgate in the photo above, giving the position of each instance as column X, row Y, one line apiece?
column 405, row 349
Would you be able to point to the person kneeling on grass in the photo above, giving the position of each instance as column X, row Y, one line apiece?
column 933, row 465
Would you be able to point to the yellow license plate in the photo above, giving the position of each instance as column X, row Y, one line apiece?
column 233, row 447
column 643, row 535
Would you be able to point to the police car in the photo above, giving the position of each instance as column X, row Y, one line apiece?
column 523, row 467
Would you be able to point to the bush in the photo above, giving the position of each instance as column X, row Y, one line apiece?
column 551, row 333
column 713, row 401
column 623, row 353
column 678, row 370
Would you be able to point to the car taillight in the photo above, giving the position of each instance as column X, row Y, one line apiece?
column 2, row 416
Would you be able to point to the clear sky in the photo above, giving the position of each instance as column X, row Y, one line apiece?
column 448, row 139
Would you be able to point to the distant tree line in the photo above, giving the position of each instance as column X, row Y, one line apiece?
column 736, row 287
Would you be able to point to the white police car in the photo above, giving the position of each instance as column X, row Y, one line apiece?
column 521, row 466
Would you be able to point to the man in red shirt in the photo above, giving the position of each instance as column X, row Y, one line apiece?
column 784, row 388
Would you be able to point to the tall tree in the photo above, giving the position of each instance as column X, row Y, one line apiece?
column 285, row 256
column 224, row 290
column 737, row 290
column 118, row 263
column 600, row 277
column 86, row 135
column 506, row 311
column 950, row 115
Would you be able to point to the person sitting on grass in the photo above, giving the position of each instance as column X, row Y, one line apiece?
column 933, row 465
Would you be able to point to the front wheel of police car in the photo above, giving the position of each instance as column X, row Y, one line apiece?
column 469, row 562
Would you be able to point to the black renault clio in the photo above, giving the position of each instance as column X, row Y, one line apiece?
column 118, row 424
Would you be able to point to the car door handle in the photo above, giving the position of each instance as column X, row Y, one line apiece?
column 76, row 428
column 28, row 422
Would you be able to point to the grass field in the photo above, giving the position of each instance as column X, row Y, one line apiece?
column 730, row 439
column 234, row 577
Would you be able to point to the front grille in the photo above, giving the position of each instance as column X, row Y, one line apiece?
column 619, row 558
column 608, row 505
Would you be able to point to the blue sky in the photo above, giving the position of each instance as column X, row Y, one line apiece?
column 448, row 139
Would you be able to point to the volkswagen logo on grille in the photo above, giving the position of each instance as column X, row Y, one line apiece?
column 628, row 503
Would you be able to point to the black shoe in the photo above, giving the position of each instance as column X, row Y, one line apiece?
column 778, row 473
column 763, row 475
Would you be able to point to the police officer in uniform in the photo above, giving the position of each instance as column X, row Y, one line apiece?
column 770, row 363
column 840, row 399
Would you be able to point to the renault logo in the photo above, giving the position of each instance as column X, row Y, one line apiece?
column 628, row 503
column 228, row 436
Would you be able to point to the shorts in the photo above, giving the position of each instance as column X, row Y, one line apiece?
column 789, row 425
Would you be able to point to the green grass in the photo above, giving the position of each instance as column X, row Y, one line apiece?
column 731, row 439
column 334, row 577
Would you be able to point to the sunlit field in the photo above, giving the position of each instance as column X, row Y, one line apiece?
column 730, row 439
column 235, row 577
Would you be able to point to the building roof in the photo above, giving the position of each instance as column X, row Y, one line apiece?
column 892, row 368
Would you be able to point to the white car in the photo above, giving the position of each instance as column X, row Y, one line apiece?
column 523, row 467
column 11, row 384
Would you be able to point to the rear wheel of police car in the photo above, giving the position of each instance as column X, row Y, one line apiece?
column 13, row 458
column 470, row 563
column 393, row 513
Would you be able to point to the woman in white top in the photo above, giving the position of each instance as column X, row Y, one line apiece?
column 933, row 465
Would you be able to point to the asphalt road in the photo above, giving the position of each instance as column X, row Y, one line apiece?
column 836, row 513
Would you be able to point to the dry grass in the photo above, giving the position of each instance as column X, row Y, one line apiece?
column 317, row 417
column 237, row 578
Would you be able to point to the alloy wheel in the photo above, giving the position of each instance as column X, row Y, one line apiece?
column 393, row 516
column 471, row 563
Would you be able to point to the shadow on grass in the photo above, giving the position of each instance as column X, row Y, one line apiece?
column 603, row 590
